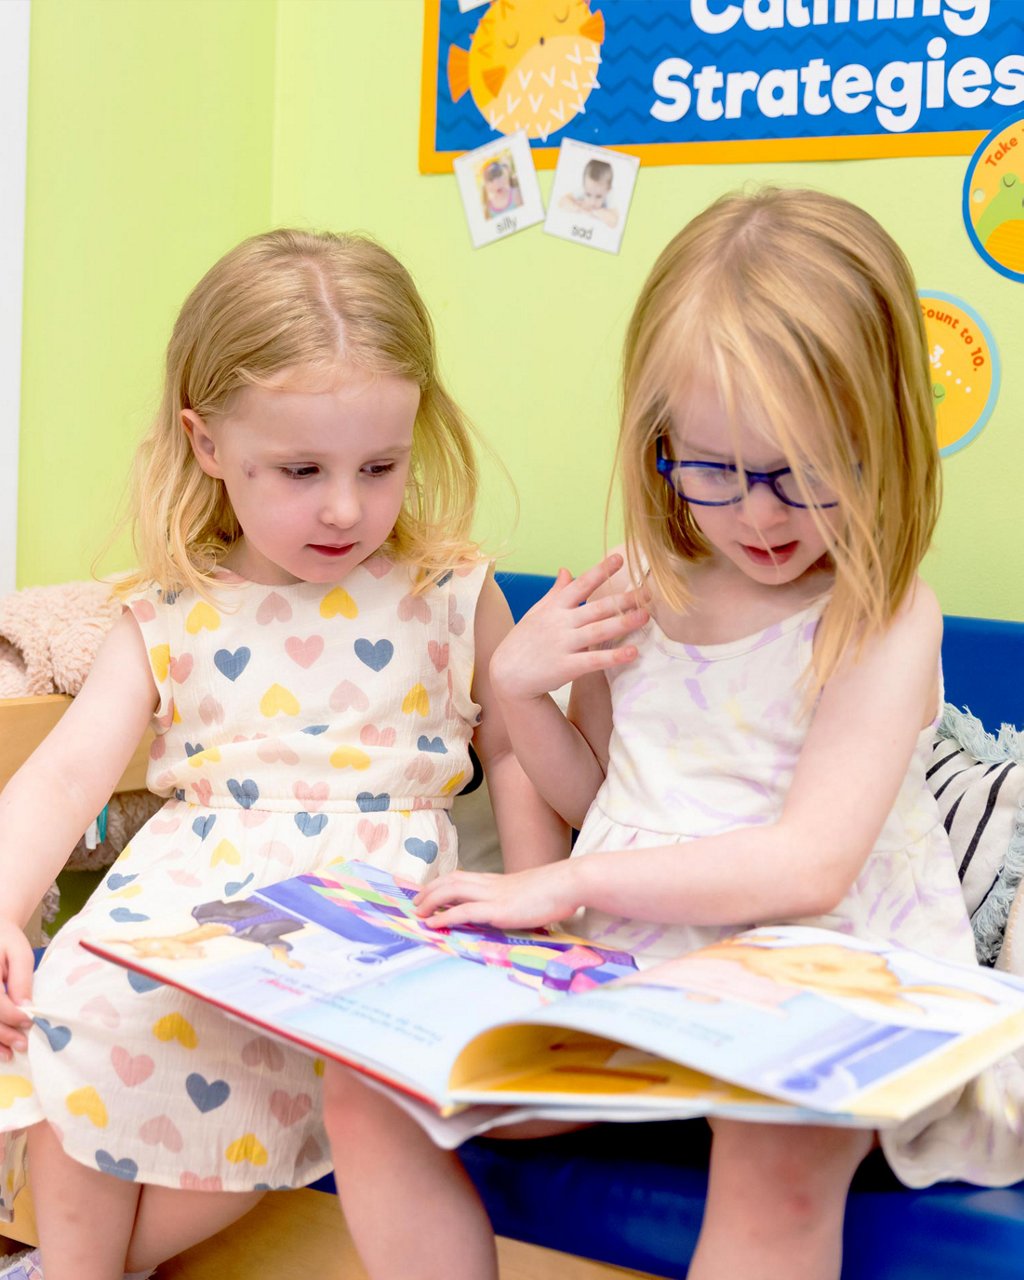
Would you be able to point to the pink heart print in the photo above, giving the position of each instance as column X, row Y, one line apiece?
column 132, row 1070
column 193, row 1182
column 348, row 695
column 181, row 668
column 372, row 834
column 161, row 1131
column 304, row 652
column 210, row 710
column 311, row 797
column 263, row 1053
column 371, row 736
column 289, row 1110
column 410, row 607
column 273, row 608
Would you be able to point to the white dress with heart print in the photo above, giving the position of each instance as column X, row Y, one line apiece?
column 296, row 725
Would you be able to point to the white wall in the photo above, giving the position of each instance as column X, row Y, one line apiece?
column 14, row 27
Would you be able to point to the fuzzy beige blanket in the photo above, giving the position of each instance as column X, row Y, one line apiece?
column 49, row 636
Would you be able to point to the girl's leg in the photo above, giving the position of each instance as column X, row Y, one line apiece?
column 168, row 1221
column 94, row 1226
column 84, row 1217
column 412, row 1211
column 776, row 1199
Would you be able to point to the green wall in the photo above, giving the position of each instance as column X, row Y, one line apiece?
column 160, row 133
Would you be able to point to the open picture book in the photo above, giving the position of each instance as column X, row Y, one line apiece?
column 470, row 1027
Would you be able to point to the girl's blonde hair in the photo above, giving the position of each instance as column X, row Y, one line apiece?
column 312, row 303
column 796, row 306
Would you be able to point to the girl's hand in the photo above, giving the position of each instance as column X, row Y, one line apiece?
column 521, row 900
column 558, row 640
column 16, row 965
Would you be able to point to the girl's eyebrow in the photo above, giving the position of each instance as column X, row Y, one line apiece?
column 289, row 454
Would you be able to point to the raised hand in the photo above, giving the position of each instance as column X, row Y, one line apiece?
column 562, row 637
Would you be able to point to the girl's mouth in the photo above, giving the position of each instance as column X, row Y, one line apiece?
column 324, row 550
column 773, row 555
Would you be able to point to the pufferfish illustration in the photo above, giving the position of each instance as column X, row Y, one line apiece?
column 531, row 64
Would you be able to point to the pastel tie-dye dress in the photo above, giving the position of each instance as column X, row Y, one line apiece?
column 705, row 740
column 296, row 725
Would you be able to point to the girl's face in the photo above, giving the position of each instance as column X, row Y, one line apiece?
column 763, row 537
column 316, row 479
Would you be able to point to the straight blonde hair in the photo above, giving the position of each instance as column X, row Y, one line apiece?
column 303, row 302
column 799, row 305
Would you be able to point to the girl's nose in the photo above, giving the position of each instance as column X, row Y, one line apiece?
column 341, row 507
column 762, row 508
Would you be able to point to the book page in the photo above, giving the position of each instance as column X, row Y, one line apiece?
column 825, row 1023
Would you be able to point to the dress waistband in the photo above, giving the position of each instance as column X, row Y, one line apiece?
column 366, row 802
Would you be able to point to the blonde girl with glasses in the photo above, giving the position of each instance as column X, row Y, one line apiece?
column 309, row 635
column 756, row 677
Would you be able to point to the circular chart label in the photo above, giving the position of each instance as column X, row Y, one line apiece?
column 994, row 198
column 965, row 368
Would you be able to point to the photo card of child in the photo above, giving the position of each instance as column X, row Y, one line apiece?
column 590, row 195
column 499, row 190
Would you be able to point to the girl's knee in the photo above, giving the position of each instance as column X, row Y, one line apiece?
column 796, row 1171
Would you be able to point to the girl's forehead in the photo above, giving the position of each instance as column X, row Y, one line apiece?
column 702, row 414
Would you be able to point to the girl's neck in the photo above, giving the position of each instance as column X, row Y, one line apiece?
column 727, row 605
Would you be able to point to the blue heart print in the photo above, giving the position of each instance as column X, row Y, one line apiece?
column 236, row 886
column 123, row 916
column 140, row 983
column 310, row 824
column 207, row 1095
column 245, row 793
column 126, row 1169
column 369, row 803
column 375, row 656
column 203, row 826
column 193, row 749
column 232, row 664
column 117, row 881
column 316, row 729
column 425, row 850
column 423, row 743
column 57, row 1036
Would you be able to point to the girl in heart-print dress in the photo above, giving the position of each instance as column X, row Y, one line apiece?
column 311, row 687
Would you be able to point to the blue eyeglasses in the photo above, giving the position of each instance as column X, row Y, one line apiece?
column 720, row 484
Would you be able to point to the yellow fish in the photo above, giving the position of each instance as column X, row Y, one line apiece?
column 531, row 64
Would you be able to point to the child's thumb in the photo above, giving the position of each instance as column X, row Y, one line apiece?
column 20, row 964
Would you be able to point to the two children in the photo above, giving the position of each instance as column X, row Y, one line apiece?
column 755, row 680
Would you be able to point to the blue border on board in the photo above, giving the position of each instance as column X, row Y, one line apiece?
column 972, row 235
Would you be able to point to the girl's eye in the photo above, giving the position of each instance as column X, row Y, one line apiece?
column 375, row 469
column 300, row 473
column 511, row 44
column 563, row 17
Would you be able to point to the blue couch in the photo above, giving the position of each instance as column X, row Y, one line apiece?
column 633, row 1194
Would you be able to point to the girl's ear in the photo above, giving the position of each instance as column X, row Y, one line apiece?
column 203, row 445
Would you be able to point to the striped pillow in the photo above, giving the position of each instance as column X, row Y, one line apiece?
column 978, row 782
